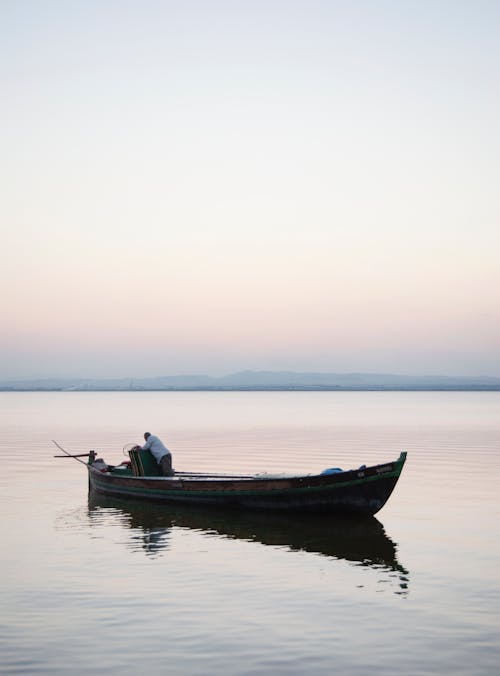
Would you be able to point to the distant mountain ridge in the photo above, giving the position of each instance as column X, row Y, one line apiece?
column 262, row 380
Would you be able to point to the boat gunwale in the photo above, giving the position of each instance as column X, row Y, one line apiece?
column 253, row 486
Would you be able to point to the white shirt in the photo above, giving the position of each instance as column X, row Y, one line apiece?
column 157, row 448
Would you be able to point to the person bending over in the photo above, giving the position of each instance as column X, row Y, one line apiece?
column 160, row 453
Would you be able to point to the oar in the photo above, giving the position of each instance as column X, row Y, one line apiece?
column 66, row 454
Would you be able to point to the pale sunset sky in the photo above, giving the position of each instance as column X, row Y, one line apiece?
column 209, row 186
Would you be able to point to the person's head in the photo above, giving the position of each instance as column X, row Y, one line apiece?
column 146, row 435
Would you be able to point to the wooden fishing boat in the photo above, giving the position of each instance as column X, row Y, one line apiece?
column 362, row 491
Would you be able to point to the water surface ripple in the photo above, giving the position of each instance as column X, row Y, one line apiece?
column 98, row 585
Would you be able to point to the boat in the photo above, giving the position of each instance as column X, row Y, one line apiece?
column 364, row 490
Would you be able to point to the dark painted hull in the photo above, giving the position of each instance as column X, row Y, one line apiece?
column 363, row 491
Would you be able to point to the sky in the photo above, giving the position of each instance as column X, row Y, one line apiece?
column 210, row 186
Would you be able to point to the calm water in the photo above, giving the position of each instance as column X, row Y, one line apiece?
column 94, row 585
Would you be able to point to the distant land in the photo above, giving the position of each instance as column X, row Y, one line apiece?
column 260, row 380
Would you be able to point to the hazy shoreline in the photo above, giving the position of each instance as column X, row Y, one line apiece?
column 256, row 381
column 253, row 388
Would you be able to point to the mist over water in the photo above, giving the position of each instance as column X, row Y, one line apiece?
column 96, row 585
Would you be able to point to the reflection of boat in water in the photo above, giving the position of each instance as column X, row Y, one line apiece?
column 361, row 540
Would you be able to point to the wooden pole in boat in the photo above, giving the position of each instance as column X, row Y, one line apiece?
column 76, row 455
column 66, row 454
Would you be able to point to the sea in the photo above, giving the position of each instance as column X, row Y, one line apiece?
column 94, row 585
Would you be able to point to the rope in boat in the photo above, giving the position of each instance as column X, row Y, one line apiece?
column 68, row 454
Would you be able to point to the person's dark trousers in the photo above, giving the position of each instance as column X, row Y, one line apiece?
column 166, row 465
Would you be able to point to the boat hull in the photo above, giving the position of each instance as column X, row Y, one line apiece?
column 363, row 491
